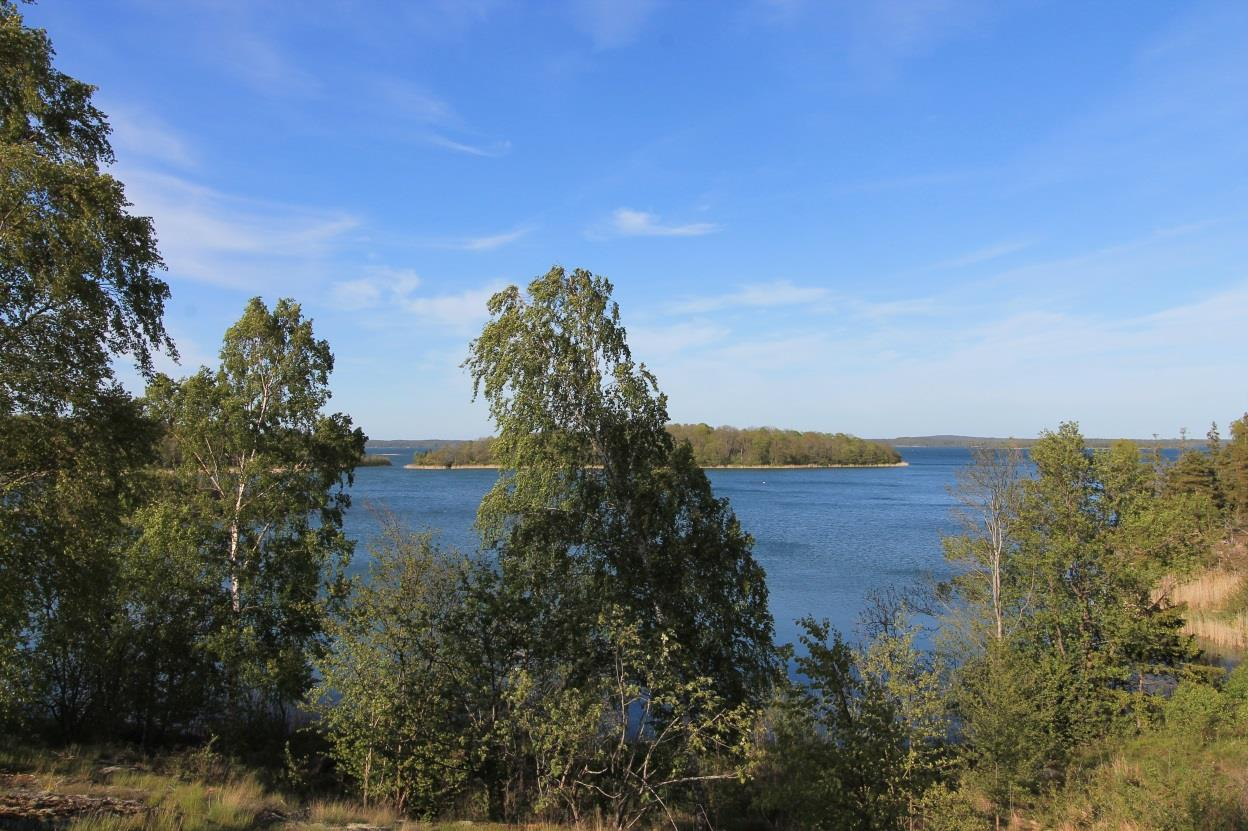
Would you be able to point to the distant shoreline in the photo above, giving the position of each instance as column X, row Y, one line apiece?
column 801, row 467
column 707, row 467
column 450, row 467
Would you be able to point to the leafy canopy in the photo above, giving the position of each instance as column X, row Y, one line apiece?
column 626, row 579
column 260, row 472
column 79, row 273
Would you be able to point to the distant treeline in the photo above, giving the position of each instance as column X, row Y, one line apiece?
column 716, row 447
column 429, row 444
column 985, row 441
column 457, row 454
column 719, row 446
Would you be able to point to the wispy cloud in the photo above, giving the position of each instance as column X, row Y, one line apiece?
column 465, row 242
column 489, row 151
column 981, row 255
column 442, row 125
column 878, row 38
column 992, row 375
column 627, row 222
column 754, row 296
column 389, row 288
column 465, row 310
column 139, row 134
column 411, row 101
column 264, row 67
column 650, row 342
column 611, row 23
column 227, row 240
column 491, row 241
column 354, row 295
column 889, row 309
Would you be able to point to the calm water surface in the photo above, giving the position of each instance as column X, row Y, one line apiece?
column 827, row 538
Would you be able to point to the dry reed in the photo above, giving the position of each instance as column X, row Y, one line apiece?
column 1210, row 591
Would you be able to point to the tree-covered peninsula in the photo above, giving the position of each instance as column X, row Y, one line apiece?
column 768, row 447
column 715, row 447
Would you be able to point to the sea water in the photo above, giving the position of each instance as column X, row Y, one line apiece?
column 828, row 538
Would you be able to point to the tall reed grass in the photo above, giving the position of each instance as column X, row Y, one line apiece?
column 1217, row 607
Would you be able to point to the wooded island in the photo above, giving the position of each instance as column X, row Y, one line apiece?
column 716, row 447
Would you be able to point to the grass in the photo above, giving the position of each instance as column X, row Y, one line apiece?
column 1162, row 780
column 340, row 812
column 194, row 791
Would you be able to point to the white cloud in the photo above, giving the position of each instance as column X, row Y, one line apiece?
column 382, row 284
column 630, row 223
column 754, row 296
column 1152, row 371
column 411, row 101
column 886, row 309
column 354, row 295
column 879, row 38
column 650, row 342
column 396, row 288
column 487, row 151
column 612, row 23
column 143, row 135
column 415, row 104
column 465, row 310
column 981, row 255
column 492, row 241
column 262, row 65
column 226, row 240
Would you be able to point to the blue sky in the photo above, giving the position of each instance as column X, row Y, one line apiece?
column 887, row 218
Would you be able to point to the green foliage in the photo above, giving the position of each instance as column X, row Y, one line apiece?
column 861, row 742
column 1233, row 472
column 596, row 500
column 1015, row 726
column 251, row 506
column 622, row 573
column 68, row 531
column 1094, row 570
column 728, row 446
column 715, row 447
column 79, row 272
column 1196, row 709
column 456, row 454
column 620, row 748
column 1084, row 540
column 392, row 684
column 78, row 289
column 1184, row 773
column 1162, row 522
column 1196, row 473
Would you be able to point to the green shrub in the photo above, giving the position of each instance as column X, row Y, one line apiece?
column 1196, row 709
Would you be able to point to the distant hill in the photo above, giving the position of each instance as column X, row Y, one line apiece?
column 975, row 441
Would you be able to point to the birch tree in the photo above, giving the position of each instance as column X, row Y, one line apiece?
column 988, row 492
column 607, row 532
column 257, row 465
